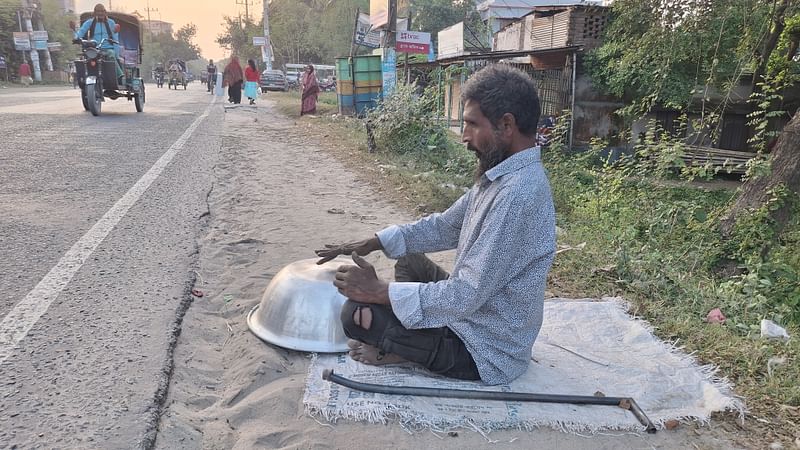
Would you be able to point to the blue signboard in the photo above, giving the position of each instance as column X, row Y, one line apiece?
column 40, row 45
column 389, row 68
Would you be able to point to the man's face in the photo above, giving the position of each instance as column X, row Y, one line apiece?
column 483, row 138
column 100, row 16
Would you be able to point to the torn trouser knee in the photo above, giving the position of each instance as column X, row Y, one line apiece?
column 437, row 349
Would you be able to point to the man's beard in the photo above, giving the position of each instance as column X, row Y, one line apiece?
column 495, row 153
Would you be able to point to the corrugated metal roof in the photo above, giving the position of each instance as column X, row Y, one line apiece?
column 513, row 9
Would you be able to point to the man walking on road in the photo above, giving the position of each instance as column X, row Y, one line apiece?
column 25, row 73
column 480, row 322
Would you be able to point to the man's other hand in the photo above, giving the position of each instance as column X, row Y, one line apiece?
column 360, row 283
column 362, row 248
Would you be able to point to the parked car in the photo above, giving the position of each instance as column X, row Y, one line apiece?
column 273, row 80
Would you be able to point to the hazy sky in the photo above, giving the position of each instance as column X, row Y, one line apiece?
column 206, row 14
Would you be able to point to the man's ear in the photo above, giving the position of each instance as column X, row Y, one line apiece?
column 508, row 123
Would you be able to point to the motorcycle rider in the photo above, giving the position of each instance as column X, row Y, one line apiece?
column 101, row 27
column 212, row 72
column 159, row 73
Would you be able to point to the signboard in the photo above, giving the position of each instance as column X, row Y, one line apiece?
column 3, row 62
column 365, row 35
column 54, row 46
column 40, row 45
column 378, row 13
column 259, row 40
column 39, row 36
column 389, row 69
column 413, row 42
column 451, row 41
column 22, row 41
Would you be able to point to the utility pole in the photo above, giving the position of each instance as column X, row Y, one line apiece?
column 48, row 61
column 246, row 4
column 267, row 51
column 148, row 10
column 389, row 54
column 37, row 70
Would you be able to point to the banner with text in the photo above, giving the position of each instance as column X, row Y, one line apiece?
column 378, row 13
column 365, row 35
column 22, row 41
column 413, row 42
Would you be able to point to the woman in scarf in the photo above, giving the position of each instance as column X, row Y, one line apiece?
column 233, row 77
column 310, row 91
column 251, row 78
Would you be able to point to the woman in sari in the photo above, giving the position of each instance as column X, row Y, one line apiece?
column 251, row 77
column 233, row 77
column 310, row 91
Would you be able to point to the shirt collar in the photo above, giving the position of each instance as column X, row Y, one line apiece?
column 514, row 162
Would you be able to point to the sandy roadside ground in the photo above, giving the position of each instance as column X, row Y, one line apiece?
column 269, row 207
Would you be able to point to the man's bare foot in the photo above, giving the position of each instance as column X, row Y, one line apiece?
column 368, row 354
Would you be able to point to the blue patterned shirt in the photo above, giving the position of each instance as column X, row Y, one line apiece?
column 503, row 230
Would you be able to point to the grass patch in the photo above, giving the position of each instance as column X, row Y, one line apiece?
column 651, row 239
column 289, row 102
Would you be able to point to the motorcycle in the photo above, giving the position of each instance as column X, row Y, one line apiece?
column 97, row 75
column 327, row 86
column 159, row 79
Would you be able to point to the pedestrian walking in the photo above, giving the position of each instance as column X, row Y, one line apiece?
column 233, row 77
column 310, row 88
column 25, row 73
column 251, row 81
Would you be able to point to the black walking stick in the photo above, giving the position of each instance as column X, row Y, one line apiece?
column 621, row 402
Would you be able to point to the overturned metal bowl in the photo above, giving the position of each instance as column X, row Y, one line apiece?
column 300, row 308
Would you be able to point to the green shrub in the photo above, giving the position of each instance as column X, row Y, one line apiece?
column 406, row 122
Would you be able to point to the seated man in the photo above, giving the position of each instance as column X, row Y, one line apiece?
column 480, row 322
column 100, row 28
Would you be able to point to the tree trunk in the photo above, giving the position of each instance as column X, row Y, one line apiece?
column 785, row 159
column 771, row 41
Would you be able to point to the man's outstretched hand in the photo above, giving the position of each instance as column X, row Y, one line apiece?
column 360, row 283
column 362, row 248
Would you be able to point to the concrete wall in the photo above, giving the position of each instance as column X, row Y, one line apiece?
column 594, row 113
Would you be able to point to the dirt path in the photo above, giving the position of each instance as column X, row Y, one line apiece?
column 268, row 208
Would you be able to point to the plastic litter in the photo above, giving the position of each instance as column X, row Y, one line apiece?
column 715, row 316
column 772, row 330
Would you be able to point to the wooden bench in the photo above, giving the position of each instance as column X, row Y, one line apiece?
column 728, row 160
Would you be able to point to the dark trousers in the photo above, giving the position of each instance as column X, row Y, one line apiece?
column 438, row 349
column 235, row 92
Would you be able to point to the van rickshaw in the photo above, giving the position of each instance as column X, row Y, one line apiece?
column 177, row 74
column 97, row 75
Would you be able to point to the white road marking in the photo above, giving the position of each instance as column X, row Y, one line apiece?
column 16, row 325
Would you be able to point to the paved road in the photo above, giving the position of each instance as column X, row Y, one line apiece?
column 99, row 218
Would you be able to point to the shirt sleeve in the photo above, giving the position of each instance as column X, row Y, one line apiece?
column 433, row 233
column 486, row 267
column 114, row 35
column 81, row 33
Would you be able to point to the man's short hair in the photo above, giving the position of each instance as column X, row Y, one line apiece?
column 499, row 89
column 98, row 8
